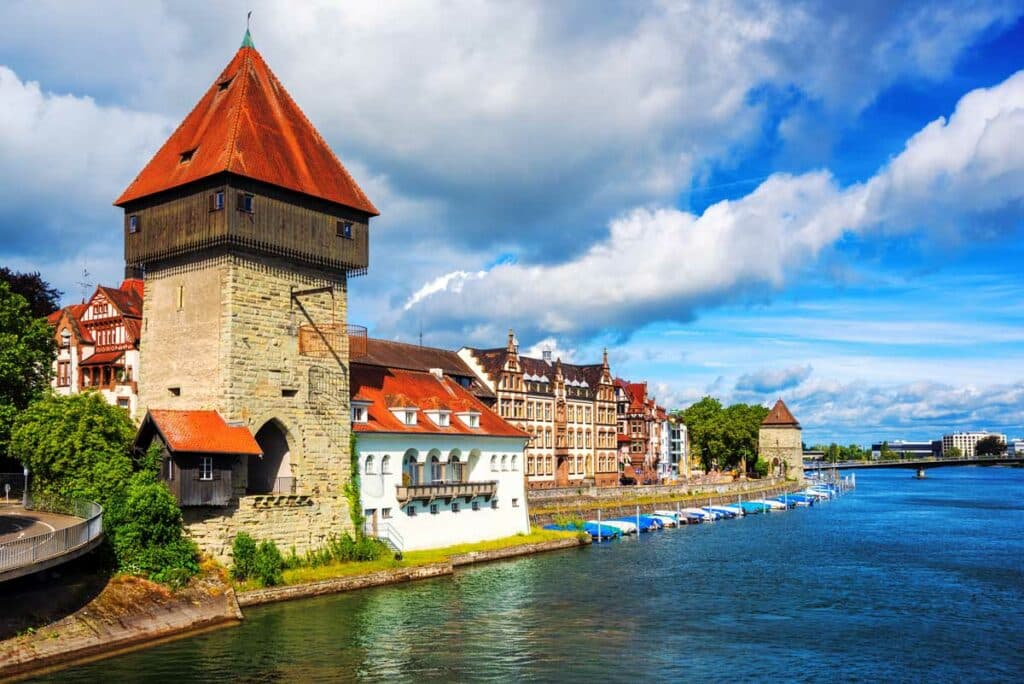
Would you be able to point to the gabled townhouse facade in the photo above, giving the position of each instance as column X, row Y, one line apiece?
column 98, row 345
column 642, row 432
column 568, row 411
column 437, row 467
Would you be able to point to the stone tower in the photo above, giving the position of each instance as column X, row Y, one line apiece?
column 779, row 443
column 245, row 228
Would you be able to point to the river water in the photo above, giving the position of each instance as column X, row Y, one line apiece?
column 900, row 580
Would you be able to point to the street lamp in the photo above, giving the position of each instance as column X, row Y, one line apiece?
column 24, row 495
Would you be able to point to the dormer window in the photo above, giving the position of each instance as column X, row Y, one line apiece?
column 360, row 412
column 471, row 419
column 409, row 417
column 345, row 229
column 223, row 85
column 133, row 223
column 440, row 417
column 186, row 156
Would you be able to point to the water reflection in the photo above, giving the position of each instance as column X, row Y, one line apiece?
column 903, row 580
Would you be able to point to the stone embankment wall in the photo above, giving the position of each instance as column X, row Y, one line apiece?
column 399, row 575
column 129, row 612
column 624, row 500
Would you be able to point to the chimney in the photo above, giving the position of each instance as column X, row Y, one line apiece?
column 437, row 373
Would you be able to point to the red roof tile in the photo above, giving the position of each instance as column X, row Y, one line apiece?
column 780, row 415
column 203, row 432
column 393, row 387
column 247, row 124
column 102, row 358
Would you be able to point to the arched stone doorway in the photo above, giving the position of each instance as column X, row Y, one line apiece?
column 271, row 473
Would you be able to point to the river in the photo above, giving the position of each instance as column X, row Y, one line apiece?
column 900, row 580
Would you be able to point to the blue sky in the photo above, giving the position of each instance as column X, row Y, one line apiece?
column 752, row 200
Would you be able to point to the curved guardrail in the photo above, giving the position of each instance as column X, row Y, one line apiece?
column 24, row 553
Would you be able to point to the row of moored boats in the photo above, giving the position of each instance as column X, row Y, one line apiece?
column 613, row 528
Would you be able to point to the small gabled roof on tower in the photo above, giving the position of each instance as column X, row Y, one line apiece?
column 780, row 416
column 247, row 124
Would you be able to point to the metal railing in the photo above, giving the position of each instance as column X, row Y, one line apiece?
column 26, row 551
column 385, row 532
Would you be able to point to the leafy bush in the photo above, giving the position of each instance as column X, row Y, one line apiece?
column 80, row 447
column 144, row 528
column 268, row 565
column 243, row 553
column 761, row 467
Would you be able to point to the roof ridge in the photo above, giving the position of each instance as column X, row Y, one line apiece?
column 232, row 139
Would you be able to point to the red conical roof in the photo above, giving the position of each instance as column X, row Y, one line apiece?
column 780, row 415
column 247, row 124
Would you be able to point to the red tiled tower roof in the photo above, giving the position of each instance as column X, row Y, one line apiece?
column 247, row 124
column 780, row 416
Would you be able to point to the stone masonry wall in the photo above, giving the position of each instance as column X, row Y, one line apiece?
column 238, row 310
column 783, row 443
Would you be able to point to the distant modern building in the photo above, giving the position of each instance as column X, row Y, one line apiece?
column 966, row 441
column 1015, row 447
column 906, row 449
column 779, row 443
column 678, row 453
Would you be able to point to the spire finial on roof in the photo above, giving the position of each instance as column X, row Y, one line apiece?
column 247, row 41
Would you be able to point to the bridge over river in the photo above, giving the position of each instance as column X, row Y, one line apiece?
column 918, row 464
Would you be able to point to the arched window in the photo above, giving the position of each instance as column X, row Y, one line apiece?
column 369, row 467
column 454, row 467
column 494, row 463
column 435, row 469
column 385, row 465
column 514, row 464
column 410, row 468
column 504, row 462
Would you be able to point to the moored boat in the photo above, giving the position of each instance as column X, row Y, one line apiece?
column 620, row 525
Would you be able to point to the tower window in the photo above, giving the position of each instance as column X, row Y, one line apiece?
column 345, row 229
column 223, row 85
column 186, row 156
column 217, row 201
column 245, row 202
column 133, row 223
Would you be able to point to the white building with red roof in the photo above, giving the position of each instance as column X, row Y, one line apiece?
column 437, row 467
column 98, row 345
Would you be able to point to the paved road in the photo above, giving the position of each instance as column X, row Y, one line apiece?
column 16, row 523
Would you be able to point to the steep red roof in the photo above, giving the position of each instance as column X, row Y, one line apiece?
column 202, row 432
column 128, row 301
column 247, row 124
column 392, row 387
column 780, row 415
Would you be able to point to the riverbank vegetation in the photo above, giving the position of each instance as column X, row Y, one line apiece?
column 304, row 574
column 80, row 447
column 724, row 437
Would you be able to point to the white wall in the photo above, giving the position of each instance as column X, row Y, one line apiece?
column 427, row 530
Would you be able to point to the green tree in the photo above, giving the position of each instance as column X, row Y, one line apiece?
column 26, row 359
column 80, row 447
column 723, row 437
column 952, row 452
column 41, row 297
column 75, row 446
column 993, row 445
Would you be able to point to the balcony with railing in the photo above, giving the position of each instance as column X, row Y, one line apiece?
column 446, row 490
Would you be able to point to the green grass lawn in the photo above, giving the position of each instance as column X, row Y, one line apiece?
column 304, row 575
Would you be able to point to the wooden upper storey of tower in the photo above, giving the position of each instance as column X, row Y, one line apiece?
column 246, row 167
